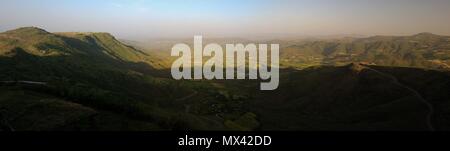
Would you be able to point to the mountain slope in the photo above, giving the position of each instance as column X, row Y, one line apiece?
column 42, row 43
column 96, row 71
column 355, row 97
column 423, row 50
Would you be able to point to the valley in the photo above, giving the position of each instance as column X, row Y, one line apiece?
column 94, row 82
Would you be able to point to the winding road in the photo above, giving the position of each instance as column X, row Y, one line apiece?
column 187, row 97
column 428, row 104
column 25, row 82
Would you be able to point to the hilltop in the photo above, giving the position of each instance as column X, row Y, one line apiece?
column 39, row 42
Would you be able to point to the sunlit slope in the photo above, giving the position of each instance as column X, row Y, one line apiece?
column 42, row 43
column 423, row 50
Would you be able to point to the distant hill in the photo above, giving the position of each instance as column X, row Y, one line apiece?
column 424, row 50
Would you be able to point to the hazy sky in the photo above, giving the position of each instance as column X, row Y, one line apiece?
column 169, row 18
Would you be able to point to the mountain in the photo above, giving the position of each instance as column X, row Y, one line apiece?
column 91, row 81
column 424, row 50
column 110, row 84
column 42, row 43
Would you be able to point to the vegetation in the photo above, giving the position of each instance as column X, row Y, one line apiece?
column 92, row 81
column 423, row 50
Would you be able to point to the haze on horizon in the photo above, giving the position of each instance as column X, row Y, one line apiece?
column 231, row 18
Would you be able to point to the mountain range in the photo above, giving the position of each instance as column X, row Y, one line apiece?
column 424, row 50
column 92, row 81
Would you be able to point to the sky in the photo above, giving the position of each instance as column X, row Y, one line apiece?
column 229, row 18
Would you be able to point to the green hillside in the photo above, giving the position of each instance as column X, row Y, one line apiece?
column 97, row 71
column 423, row 50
